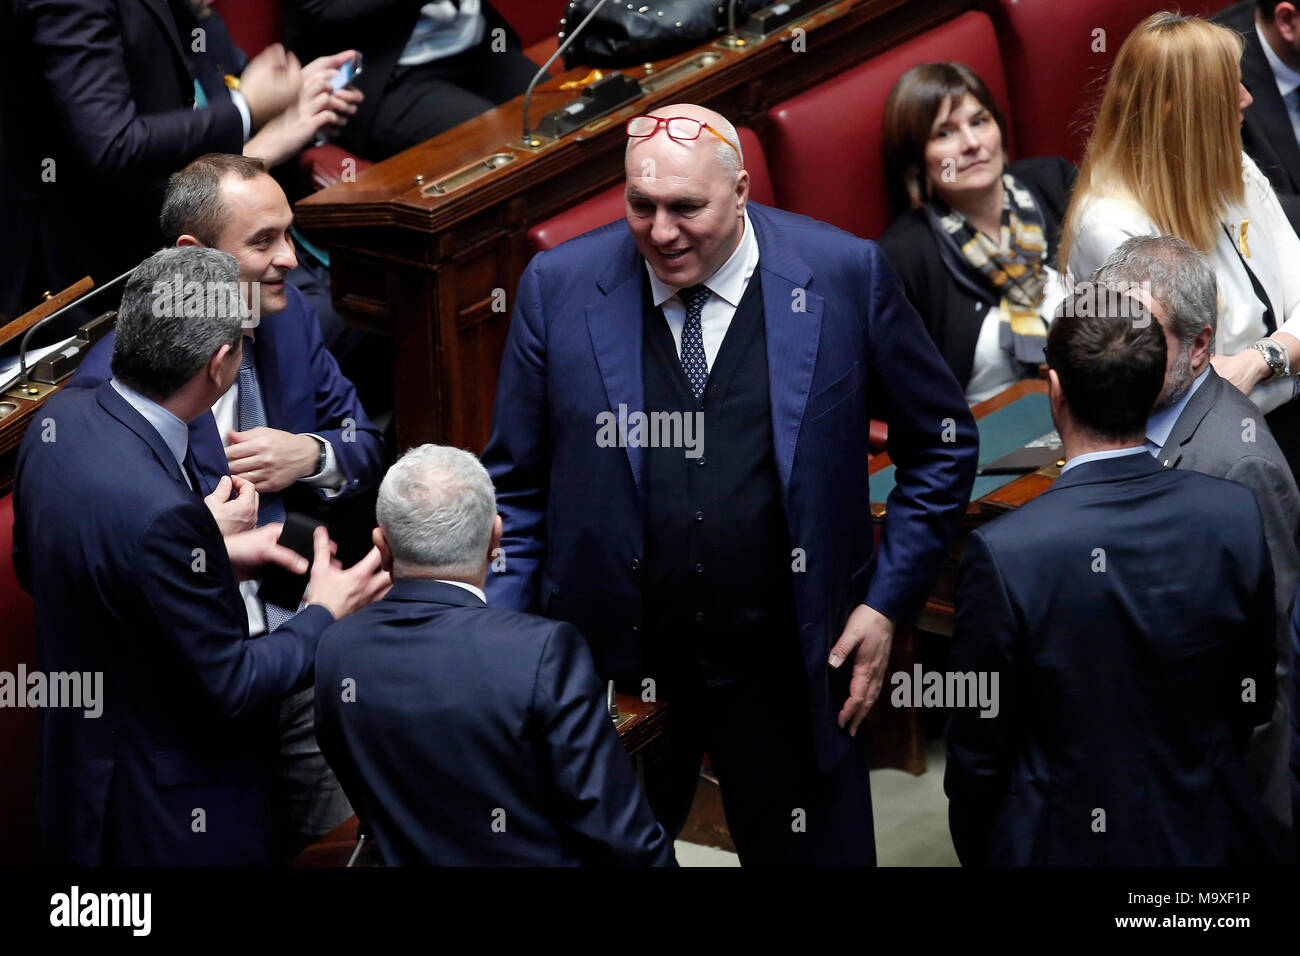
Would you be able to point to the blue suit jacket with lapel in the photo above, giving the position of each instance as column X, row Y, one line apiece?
column 131, row 579
column 1122, row 610
column 843, row 346
column 463, row 711
column 303, row 391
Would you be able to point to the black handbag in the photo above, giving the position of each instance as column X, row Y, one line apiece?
column 627, row 34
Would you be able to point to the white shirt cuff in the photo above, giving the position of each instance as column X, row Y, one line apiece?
column 330, row 479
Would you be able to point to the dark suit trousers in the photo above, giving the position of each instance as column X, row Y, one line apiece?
column 781, row 810
column 420, row 102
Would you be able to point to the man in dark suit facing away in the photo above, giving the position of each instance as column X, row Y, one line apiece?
column 133, row 580
column 1270, row 69
column 1127, row 617
column 1203, row 424
column 466, row 734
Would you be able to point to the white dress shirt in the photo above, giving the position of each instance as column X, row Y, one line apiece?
column 728, row 285
column 330, row 480
column 1105, row 222
column 1288, row 82
column 477, row 592
column 442, row 30
column 1083, row 459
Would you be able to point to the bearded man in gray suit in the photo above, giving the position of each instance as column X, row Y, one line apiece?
column 1202, row 423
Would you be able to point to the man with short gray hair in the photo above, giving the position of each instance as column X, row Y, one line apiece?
column 132, row 579
column 463, row 734
column 1203, row 424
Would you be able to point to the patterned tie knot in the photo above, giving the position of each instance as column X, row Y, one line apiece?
column 246, row 356
column 694, row 297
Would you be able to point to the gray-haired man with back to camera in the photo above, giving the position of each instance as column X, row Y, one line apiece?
column 1203, row 424
column 466, row 735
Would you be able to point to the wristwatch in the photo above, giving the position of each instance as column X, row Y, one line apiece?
column 324, row 455
column 1279, row 361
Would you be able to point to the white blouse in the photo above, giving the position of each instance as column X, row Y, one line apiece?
column 1274, row 255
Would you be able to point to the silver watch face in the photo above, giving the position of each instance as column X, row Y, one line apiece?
column 1273, row 355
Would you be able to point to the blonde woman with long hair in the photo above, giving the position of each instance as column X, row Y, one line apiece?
column 1165, row 156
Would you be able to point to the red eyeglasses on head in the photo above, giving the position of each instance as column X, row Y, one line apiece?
column 681, row 129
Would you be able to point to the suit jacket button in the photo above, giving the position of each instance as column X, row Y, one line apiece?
column 636, row 564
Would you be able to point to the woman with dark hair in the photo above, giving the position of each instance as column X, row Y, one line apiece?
column 975, row 236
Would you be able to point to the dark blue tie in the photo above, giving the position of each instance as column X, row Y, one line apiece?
column 694, row 362
column 252, row 414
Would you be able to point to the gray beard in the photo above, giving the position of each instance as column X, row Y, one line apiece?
column 1177, row 382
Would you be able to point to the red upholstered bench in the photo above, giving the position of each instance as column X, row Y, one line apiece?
column 825, row 147
column 537, row 22
column 608, row 205
column 17, row 726
column 1057, row 63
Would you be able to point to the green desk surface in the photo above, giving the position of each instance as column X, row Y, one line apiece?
column 1001, row 433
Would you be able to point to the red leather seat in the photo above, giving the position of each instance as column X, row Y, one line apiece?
column 608, row 205
column 1057, row 63
column 253, row 24
column 537, row 22
column 17, row 725
column 825, row 148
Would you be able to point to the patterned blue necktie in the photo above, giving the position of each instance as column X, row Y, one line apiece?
column 252, row 414
column 694, row 362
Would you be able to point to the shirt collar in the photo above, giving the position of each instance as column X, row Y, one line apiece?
column 477, row 592
column 729, row 281
column 1101, row 455
column 1287, row 78
column 175, row 433
column 1162, row 422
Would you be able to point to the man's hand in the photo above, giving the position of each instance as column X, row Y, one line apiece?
column 320, row 73
column 271, row 459
column 270, row 82
column 251, row 551
column 317, row 109
column 233, row 514
column 868, row 636
column 341, row 592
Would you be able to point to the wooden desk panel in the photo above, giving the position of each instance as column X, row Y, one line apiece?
column 424, row 269
column 937, row 616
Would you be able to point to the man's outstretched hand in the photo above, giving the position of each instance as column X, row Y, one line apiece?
column 867, row 638
column 342, row 591
column 251, row 551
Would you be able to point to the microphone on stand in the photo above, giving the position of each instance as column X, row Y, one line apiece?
column 596, row 99
column 22, row 378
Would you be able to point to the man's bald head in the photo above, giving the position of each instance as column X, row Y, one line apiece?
column 730, row 160
column 686, row 199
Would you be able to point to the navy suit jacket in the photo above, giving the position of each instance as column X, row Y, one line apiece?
column 1266, row 132
column 843, row 346
column 477, row 736
column 101, row 88
column 1121, row 610
column 131, row 579
column 302, row 389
